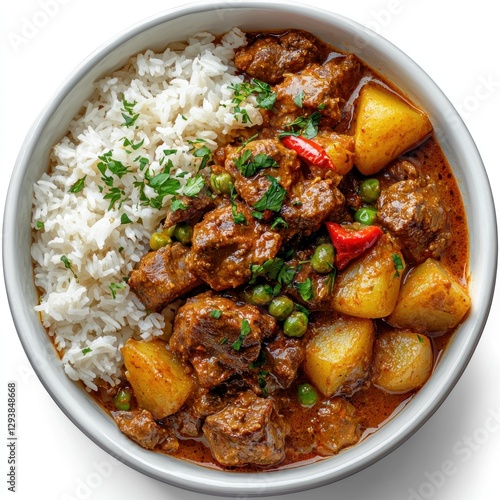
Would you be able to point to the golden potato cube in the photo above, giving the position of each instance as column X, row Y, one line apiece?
column 339, row 354
column 402, row 361
column 430, row 300
column 369, row 287
column 340, row 149
column 386, row 126
column 158, row 378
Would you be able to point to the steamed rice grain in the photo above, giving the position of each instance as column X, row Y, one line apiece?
column 82, row 250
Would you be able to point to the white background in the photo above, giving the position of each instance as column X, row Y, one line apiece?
column 457, row 43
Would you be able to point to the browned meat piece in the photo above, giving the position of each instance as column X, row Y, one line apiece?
column 218, row 345
column 248, row 431
column 163, row 276
column 140, row 426
column 252, row 188
column 336, row 426
column 196, row 207
column 270, row 57
column 224, row 250
column 310, row 204
column 401, row 170
column 285, row 355
column 325, row 87
column 414, row 214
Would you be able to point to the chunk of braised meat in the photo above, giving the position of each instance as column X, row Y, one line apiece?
column 336, row 426
column 248, row 431
column 324, row 87
column 310, row 203
column 219, row 337
column 253, row 187
column 140, row 426
column 285, row 355
column 163, row 276
column 270, row 57
column 223, row 250
column 413, row 212
column 195, row 208
column 401, row 170
column 188, row 421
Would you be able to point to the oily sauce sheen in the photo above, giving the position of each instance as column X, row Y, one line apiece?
column 373, row 406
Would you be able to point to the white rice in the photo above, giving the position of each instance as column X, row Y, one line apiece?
column 181, row 95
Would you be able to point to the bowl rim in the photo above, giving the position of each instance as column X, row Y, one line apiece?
column 397, row 431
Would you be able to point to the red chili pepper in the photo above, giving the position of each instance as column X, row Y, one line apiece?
column 309, row 150
column 350, row 244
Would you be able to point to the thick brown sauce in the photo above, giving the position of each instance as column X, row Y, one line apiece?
column 373, row 406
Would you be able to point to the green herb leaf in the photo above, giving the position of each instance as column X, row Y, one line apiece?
column 216, row 313
column 128, row 113
column 78, row 185
column 279, row 222
column 248, row 165
column 193, row 186
column 86, row 350
column 305, row 289
column 67, row 264
column 177, row 205
column 244, row 331
column 398, row 264
column 298, row 99
column 262, row 381
column 420, row 338
column 39, row 225
column 125, row 219
column 259, row 362
column 306, row 126
column 273, row 198
column 114, row 287
column 238, row 217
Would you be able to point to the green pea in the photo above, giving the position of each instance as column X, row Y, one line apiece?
column 307, row 395
column 183, row 233
column 281, row 308
column 366, row 215
column 221, row 183
column 322, row 259
column 295, row 325
column 260, row 295
column 159, row 240
column 122, row 400
column 169, row 231
column 369, row 190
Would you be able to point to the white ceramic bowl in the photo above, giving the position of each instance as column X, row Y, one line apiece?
column 156, row 33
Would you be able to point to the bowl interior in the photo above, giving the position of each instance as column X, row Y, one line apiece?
column 156, row 33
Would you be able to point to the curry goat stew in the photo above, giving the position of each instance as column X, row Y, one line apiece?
column 283, row 353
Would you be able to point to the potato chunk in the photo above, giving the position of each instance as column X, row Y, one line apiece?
column 402, row 361
column 386, row 126
column 339, row 354
column 369, row 287
column 157, row 377
column 430, row 300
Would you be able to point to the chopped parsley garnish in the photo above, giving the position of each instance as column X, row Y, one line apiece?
column 248, row 164
column 205, row 154
column 125, row 219
column 398, row 264
column 128, row 113
column 238, row 217
column 305, row 289
column 39, row 225
column 298, row 99
column 67, row 264
column 78, row 185
column 274, row 269
column 109, row 169
column 86, row 350
column 308, row 127
column 273, row 198
column 302, row 309
column 244, row 331
column 128, row 143
column 420, row 338
column 262, row 381
column 193, row 186
column 263, row 92
column 216, row 313
column 279, row 222
column 114, row 287
column 177, row 205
